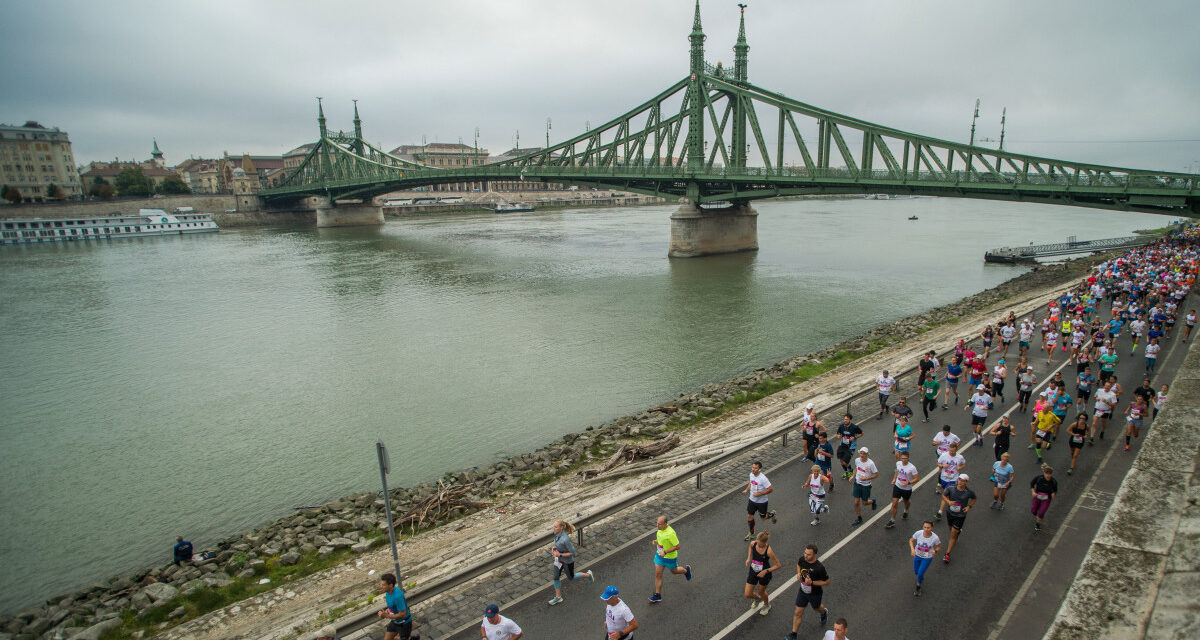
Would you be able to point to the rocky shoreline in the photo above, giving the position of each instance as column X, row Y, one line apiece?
column 154, row 598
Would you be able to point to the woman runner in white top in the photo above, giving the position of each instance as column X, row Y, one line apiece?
column 923, row 545
column 816, row 494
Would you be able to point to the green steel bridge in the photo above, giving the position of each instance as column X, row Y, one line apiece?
column 714, row 136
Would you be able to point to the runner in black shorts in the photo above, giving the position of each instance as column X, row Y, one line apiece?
column 1075, row 437
column 813, row 579
column 957, row 501
column 761, row 563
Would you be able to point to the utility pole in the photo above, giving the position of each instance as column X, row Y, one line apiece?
column 385, row 466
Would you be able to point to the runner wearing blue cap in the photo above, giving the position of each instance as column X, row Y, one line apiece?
column 619, row 623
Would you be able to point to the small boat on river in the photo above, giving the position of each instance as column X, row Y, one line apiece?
column 512, row 207
column 148, row 222
column 913, row 218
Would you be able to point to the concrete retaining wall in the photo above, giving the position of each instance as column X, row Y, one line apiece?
column 1141, row 576
column 199, row 202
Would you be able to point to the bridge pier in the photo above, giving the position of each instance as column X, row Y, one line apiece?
column 348, row 215
column 699, row 232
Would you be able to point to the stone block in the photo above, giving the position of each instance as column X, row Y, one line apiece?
column 97, row 630
column 289, row 558
column 336, row 524
column 1112, row 595
column 160, row 592
column 1176, row 612
column 1148, row 503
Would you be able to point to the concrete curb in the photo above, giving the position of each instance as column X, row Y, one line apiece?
column 1142, row 570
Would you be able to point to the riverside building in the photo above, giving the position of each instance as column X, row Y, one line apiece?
column 38, row 162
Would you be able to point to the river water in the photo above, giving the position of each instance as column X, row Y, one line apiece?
column 205, row 385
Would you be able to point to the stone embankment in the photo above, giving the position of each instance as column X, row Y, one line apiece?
column 354, row 524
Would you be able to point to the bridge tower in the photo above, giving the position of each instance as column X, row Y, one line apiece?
column 329, row 213
column 358, row 139
column 697, row 231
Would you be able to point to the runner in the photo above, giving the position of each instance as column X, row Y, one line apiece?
column 759, row 489
column 1160, row 399
column 999, row 373
column 1062, row 402
column 666, row 556
column 1152, row 350
column 564, row 559
column 1133, row 418
column 619, row 623
column 1042, row 488
column 813, row 579
column 1083, row 388
column 762, row 565
column 1051, row 342
column 901, row 410
column 825, row 457
column 1025, row 335
column 956, row 501
column 923, row 544
column 987, row 334
column 884, row 385
column 1137, row 328
column 817, row 484
column 1045, row 421
column 1189, row 323
column 929, row 394
column 864, row 472
column 1076, row 434
column 848, row 434
column 1025, row 382
column 903, row 479
column 1108, row 362
column 1002, row 477
column 1106, row 401
column 1007, row 333
column 497, row 627
column 954, row 372
column 979, row 405
column 396, row 610
column 1004, row 431
column 943, row 440
column 903, row 436
column 949, row 463
column 925, row 367
column 809, row 426
column 838, row 632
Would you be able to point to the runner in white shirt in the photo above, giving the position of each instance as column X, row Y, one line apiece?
column 1189, row 323
column 979, row 404
column 1152, row 350
column 902, row 487
column 884, row 384
column 497, row 627
column 1007, row 332
column 864, row 472
column 1025, row 336
column 818, row 482
column 838, row 632
column 619, row 622
column 944, row 439
column 923, row 545
column 950, row 464
column 1106, row 399
column 759, row 488
column 1137, row 329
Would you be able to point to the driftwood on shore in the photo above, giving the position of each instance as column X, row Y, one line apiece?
column 444, row 503
column 629, row 453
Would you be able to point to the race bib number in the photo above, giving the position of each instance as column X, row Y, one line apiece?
column 1077, row 439
column 756, row 566
column 956, row 508
column 1043, row 496
column 1041, row 434
column 806, row 587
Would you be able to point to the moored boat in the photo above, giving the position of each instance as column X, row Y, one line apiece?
column 148, row 222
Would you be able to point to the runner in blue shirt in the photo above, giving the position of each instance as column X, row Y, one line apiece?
column 953, row 373
column 400, row 618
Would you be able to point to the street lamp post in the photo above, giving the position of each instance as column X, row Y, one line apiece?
column 384, row 468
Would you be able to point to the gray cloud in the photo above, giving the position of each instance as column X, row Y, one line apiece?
column 1081, row 80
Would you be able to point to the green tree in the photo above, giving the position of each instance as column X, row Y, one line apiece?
column 55, row 192
column 100, row 188
column 12, row 194
column 173, row 184
column 132, row 182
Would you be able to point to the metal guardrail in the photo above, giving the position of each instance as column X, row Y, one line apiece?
column 365, row 619
column 1013, row 254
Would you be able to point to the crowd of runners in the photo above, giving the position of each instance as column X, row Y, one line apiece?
column 1129, row 303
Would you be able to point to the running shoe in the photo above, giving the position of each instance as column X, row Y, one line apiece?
column 873, row 501
column 790, row 636
column 1127, row 447
column 856, row 522
column 765, row 610
column 945, row 406
column 917, row 591
column 591, row 574
column 654, row 598
column 946, row 558
column 815, row 522
column 1031, row 446
column 1037, row 526
column 1070, row 470
column 555, row 600
column 756, row 604
column 1001, row 507
column 994, row 503
column 937, row 516
column 773, row 520
column 749, row 537
column 824, row 616
column 687, row 571
column 1091, row 442
column 890, row 524
column 905, row 516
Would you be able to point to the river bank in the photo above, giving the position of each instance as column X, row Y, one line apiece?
column 315, row 539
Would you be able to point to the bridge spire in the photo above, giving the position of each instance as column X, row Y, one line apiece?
column 695, row 137
column 357, row 130
column 321, row 116
column 741, row 50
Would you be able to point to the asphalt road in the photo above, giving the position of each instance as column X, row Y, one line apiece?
column 1000, row 570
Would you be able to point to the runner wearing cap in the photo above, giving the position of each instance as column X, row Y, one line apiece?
column 1042, row 487
column 864, row 472
column 884, row 384
column 838, row 632
column 848, row 434
column 818, row 482
column 923, row 544
column 978, row 405
column 956, row 501
column 1003, row 431
column 395, row 611
column 1002, row 476
column 903, row 480
column 949, row 463
column 759, row 488
column 999, row 373
column 954, row 372
column 813, row 579
column 666, row 556
column 497, row 627
column 619, row 623
column 761, row 564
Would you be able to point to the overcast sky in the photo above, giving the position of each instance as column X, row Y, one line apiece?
column 1105, row 81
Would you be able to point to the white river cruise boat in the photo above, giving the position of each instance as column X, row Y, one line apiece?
column 148, row 222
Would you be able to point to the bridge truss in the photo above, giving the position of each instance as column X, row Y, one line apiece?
column 715, row 136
